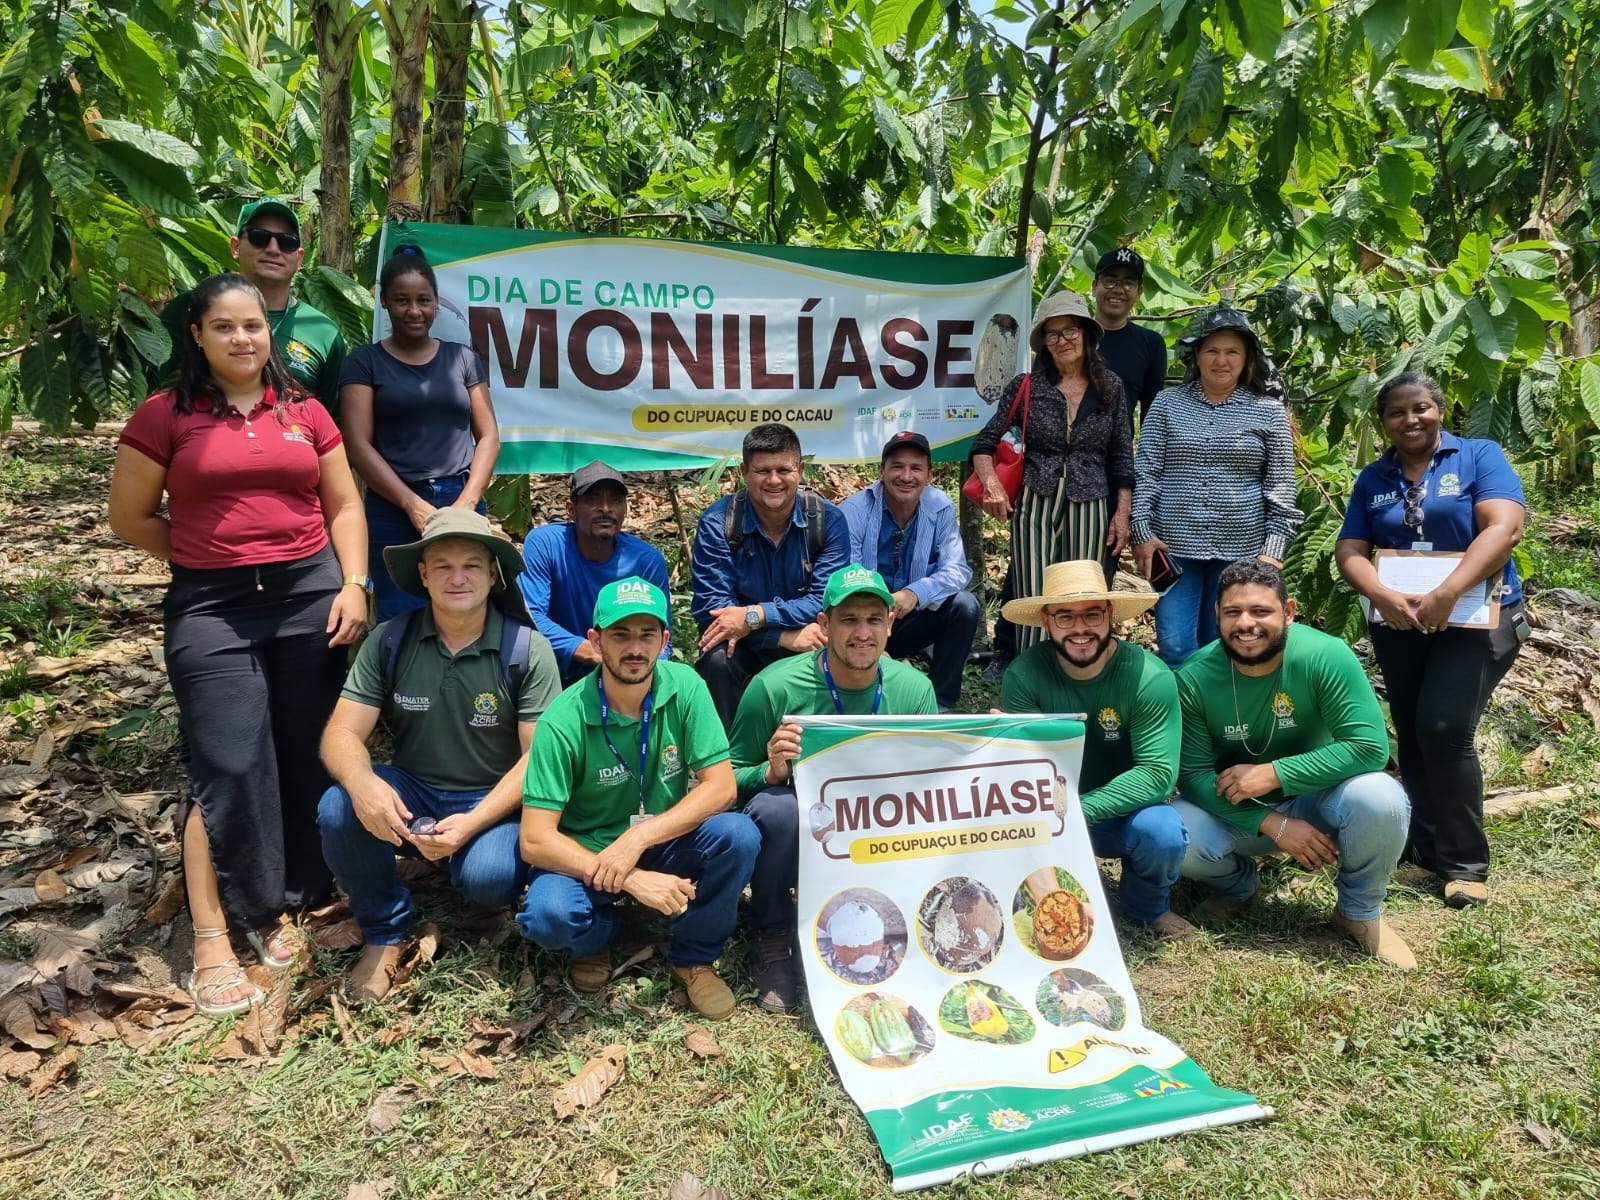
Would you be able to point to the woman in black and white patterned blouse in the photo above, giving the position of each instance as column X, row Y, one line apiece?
column 1214, row 478
column 1078, row 453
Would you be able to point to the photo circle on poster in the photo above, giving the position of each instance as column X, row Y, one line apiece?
column 883, row 1031
column 1070, row 995
column 985, row 1012
column 861, row 936
column 1052, row 914
column 960, row 925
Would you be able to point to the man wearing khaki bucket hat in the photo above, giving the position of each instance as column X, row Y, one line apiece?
column 1132, row 736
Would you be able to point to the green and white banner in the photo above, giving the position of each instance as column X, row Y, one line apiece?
column 656, row 354
column 959, row 955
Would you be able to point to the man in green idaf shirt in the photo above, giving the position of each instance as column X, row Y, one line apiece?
column 849, row 676
column 1284, row 749
column 1131, row 736
column 626, row 794
column 461, row 718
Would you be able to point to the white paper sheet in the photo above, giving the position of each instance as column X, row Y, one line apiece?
column 1419, row 574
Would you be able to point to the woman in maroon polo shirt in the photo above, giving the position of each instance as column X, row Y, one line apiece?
column 268, row 547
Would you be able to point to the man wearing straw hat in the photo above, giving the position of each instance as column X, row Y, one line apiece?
column 1131, row 738
column 460, row 685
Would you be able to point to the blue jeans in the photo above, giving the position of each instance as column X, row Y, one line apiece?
column 487, row 870
column 1186, row 614
column 1150, row 842
column 388, row 525
column 562, row 913
column 947, row 632
column 1366, row 816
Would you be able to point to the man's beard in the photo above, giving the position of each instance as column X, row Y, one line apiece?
column 1270, row 650
column 1100, row 645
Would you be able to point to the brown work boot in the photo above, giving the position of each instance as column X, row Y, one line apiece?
column 1466, row 893
column 1170, row 927
column 1218, row 910
column 1377, row 939
column 373, row 974
column 590, row 973
column 711, row 998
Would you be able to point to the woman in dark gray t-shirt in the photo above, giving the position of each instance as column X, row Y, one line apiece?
column 417, row 421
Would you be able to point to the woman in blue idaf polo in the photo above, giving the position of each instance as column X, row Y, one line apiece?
column 1434, row 492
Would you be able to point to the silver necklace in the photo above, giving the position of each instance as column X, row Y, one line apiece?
column 1233, row 680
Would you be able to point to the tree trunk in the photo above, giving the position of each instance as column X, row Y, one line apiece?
column 336, row 25
column 407, row 24
column 1046, row 88
column 450, row 32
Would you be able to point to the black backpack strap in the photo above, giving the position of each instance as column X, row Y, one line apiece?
column 811, row 503
column 516, row 646
column 733, row 520
column 394, row 632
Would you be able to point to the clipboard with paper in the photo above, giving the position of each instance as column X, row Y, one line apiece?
column 1418, row 572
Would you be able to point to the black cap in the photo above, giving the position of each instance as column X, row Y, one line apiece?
column 596, row 472
column 906, row 437
column 1124, row 258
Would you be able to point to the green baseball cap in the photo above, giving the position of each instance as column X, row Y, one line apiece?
column 630, row 597
column 267, row 206
column 854, row 580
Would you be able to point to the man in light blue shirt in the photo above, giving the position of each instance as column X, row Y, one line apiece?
column 906, row 530
column 566, row 564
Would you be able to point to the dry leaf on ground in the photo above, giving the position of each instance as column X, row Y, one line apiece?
column 1592, row 820
column 14, row 1064
column 261, row 1031
column 375, row 1190
column 18, row 1020
column 167, row 905
column 591, row 1083
column 52, row 1072
column 700, row 1041
column 50, row 887
column 608, row 1178
column 1539, row 1134
column 688, row 1187
column 388, row 1106
column 20, row 779
column 342, row 935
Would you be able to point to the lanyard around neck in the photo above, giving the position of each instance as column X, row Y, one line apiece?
column 838, row 704
column 644, row 733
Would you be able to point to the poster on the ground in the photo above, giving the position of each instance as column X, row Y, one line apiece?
column 960, row 960
column 659, row 354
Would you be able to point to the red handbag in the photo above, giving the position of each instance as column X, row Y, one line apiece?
column 1008, row 454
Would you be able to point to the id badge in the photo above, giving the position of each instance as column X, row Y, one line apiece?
column 1422, row 547
column 639, row 819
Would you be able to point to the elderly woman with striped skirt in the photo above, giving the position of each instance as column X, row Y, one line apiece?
column 1078, row 448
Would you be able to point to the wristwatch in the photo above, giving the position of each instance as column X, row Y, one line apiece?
column 753, row 616
column 364, row 582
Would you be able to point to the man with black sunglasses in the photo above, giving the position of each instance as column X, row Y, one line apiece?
column 268, row 248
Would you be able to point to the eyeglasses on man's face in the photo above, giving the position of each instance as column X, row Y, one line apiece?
column 1091, row 618
column 259, row 238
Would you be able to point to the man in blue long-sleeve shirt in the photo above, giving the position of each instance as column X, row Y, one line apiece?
column 566, row 564
column 757, row 592
column 906, row 530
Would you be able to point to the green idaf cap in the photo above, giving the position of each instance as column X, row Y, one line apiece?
column 855, row 580
column 630, row 597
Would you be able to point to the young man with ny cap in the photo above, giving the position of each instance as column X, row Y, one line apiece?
column 1284, row 748
column 1137, row 354
column 627, row 792
column 848, row 675
column 1131, row 737
column 758, row 579
column 906, row 530
column 267, row 246
column 565, row 565
column 454, row 788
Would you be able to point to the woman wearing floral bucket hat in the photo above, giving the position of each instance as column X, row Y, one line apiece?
column 1077, row 449
column 1215, row 478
